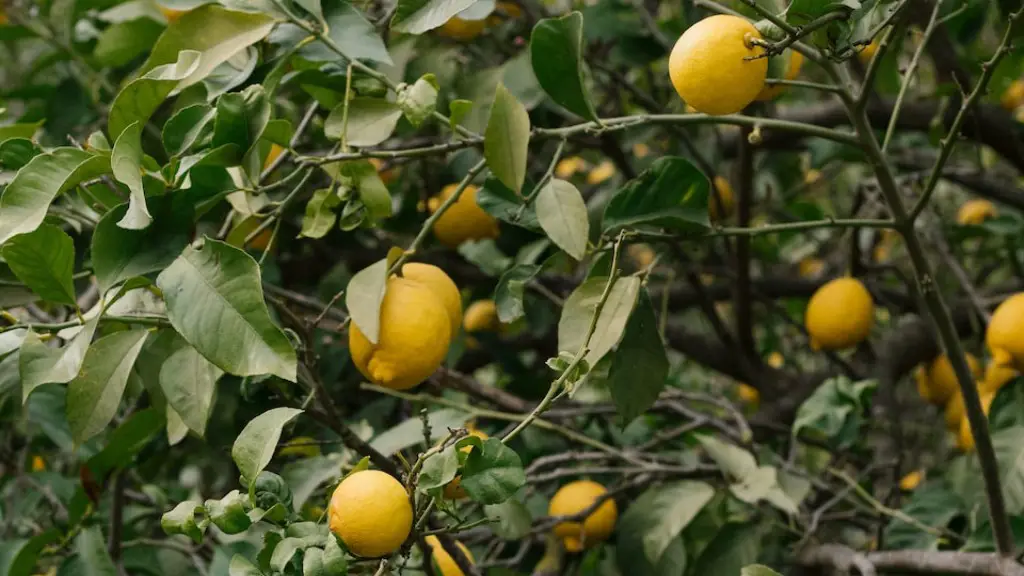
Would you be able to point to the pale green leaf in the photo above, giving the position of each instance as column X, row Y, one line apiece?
column 40, row 364
column 94, row 395
column 320, row 215
column 419, row 16
column 580, row 308
column 137, row 101
column 507, row 139
column 126, row 164
column 364, row 296
column 189, row 382
column 419, row 100
column 657, row 517
column 370, row 121
column 562, row 214
column 44, row 260
column 257, row 442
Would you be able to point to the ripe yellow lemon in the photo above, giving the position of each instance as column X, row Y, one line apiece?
column 1005, row 333
column 954, row 411
column 725, row 195
column 370, row 512
column 443, row 561
column 1013, row 96
column 793, row 65
column 937, row 382
column 454, row 490
column 641, row 150
column 464, row 220
column 975, row 212
column 415, row 331
column 462, row 30
column 38, row 464
column 748, row 394
column 839, row 315
column 911, row 480
column 171, row 14
column 441, row 285
column 567, row 167
column 481, row 316
column 996, row 376
column 776, row 360
column 868, row 52
column 574, row 498
column 641, row 254
column 811, row 267
column 709, row 65
column 272, row 155
column 965, row 438
column 601, row 172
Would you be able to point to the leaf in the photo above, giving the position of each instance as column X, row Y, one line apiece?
column 1009, row 449
column 834, row 410
column 657, row 517
column 24, row 131
column 364, row 296
column 126, row 164
column 457, row 110
column 95, row 394
column 363, row 177
column 932, row 504
column 306, row 475
column 439, row 469
column 492, row 473
column 672, row 193
column 186, row 127
column 40, row 364
column 734, row 462
column 137, row 101
column 26, row 199
column 123, row 42
column 228, row 513
column 119, row 254
column 356, row 36
column 410, row 432
column 215, row 301
column 44, row 260
column 182, row 520
column 486, row 255
column 758, row 570
column 23, row 562
column 370, row 121
column 508, row 294
column 499, row 201
column 639, row 368
column 241, row 119
column 556, row 52
column 240, row 566
column 91, row 553
column 419, row 16
column 231, row 73
column 189, row 382
column 580, row 308
column 16, row 152
column 126, row 441
column 507, row 139
column 213, row 31
column 735, row 546
column 419, row 100
column 334, row 560
column 562, row 214
column 320, row 216
column 514, row 519
column 255, row 446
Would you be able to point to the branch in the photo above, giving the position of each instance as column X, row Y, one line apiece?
column 914, row 561
column 745, row 192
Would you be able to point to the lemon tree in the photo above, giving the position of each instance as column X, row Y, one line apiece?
column 467, row 287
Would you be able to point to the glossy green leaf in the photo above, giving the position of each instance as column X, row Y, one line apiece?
column 189, row 383
column 492, row 473
column 240, row 566
column 182, row 520
column 231, row 73
column 16, row 152
column 91, row 553
column 126, row 441
column 95, row 394
column 835, row 411
column 562, row 214
column 370, row 121
column 257, row 442
column 228, row 513
column 654, row 520
column 25, row 130
column 457, row 110
column 514, row 519
column 215, row 301
column 25, row 200
column 508, row 294
column 137, row 101
column 126, row 164
column 335, row 563
column 241, row 119
column 24, row 561
column 580, row 308
column 418, row 100
column 362, row 176
column 419, row 16
column 44, row 260
column 123, row 42
column 735, row 546
column 507, row 139
column 640, row 366
column 364, row 296
column 320, row 216
column 1010, row 456
column 439, row 469
column 672, row 193
column 501, row 202
column 356, row 36
column 556, row 52
column 40, row 364
column 186, row 127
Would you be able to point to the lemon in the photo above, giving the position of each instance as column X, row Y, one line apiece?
column 386, row 176
column 38, row 464
column 937, row 382
column 996, row 376
column 301, row 446
column 444, row 564
column 601, row 172
column 748, row 394
column 568, row 167
column 171, row 14
column 911, row 480
column 641, row 150
column 272, row 155
column 965, row 438
column 812, row 176
column 641, row 254
column 839, row 315
column 954, row 411
column 481, row 316
column 811, row 267
column 868, row 52
column 370, row 512
column 709, row 65
column 1005, row 333
column 1013, row 96
column 464, row 220
column 454, row 490
column 793, row 65
column 461, row 29
column 975, row 212
column 725, row 196
column 776, row 360
column 415, row 330
column 574, row 498
column 441, row 285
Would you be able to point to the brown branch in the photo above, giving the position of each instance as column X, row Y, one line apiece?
column 912, row 561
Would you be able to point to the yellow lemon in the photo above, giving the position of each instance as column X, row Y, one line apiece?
column 462, row 30
column 601, row 172
column 38, row 464
column 709, row 65
column 272, row 155
column 415, row 331
column 454, row 490
column 386, row 176
column 1013, row 96
column 641, row 150
column 911, row 480
column 868, row 52
column 443, row 561
column 1005, row 333
column 748, row 394
column 641, row 254
column 441, row 285
column 996, row 376
column 812, row 176
column 481, row 316
column 567, row 167
column 464, row 220
column 301, row 446
column 975, row 212
column 793, row 65
column 937, row 382
column 954, row 411
column 370, row 512
column 725, row 196
column 839, row 315
column 574, row 498
column 811, row 267
column 776, row 360
column 965, row 438
column 171, row 14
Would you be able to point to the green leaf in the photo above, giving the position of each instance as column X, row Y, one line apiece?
column 410, row 432
column 119, row 254
column 419, row 100
column 240, row 120
column 364, row 296
column 255, row 446
column 126, row 441
column 639, row 368
column 486, row 255
column 501, row 202
column 835, row 410
column 932, row 504
column 125, row 41
column 457, row 111
column 40, row 364
column 26, row 131
column 439, row 469
column 213, row 31
column 24, row 560
column 514, row 519
column 507, row 139
column 734, row 462
column 189, row 382
column 228, row 513
column 137, row 101
column 26, row 199
column 370, row 121
column 672, row 193
column 508, row 294
column 492, row 473
column 419, row 16
column 580, row 308
column 215, row 301
column 1009, row 448
column 363, row 177
column 320, row 215
column 240, row 566
column 186, row 127
column 656, row 518
column 562, row 214
column 556, row 51
column 44, row 260
column 735, row 546
column 182, row 520
column 353, row 33
column 16, row 152
column 95, row 394
column 335, row 562
column 126, row 164
column 232, row 73
column 758, row 570
column 91, row 552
